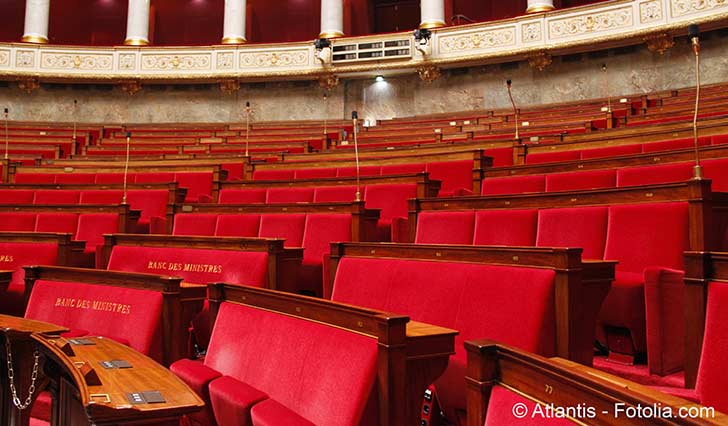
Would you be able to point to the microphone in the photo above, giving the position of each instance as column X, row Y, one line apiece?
column 75, row 121
column 247, row 128
column 7, row 141
column 606, row 90
column 326, row 111
column 694, row 34
column 126, row 165
column 355, row 120
column 515, row 110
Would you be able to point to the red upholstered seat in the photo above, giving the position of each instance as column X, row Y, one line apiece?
column 272, row 413
column 75, row 178
column 332, row 194
column 319, row 232
column 552, row 157
column 243, row 196
column 101, row 196
column 237, row 225
column 505, row 227
column 646, row 175
column 480, row 301
column 35, row 178
column 330, row 385
column 675, row 144
column 717, row 171
column 573, row 181
column 289, row 195
column 115, row 312
column 718, row 139
column 288, row 226
column 282, row 174
column 13, row 256
column 513, row 184
column 712, row 374
column 584, row 227
column 153, row 206
column 57, row 222
column 611, row 151
column 402, row 169
column 194, row 224
column 500, row 411
column 314, row 173
column 16, row 196
column 455, row 175
column 445, row 228
column 56, row 196
column 114, row 178
column 392, row 200
column 198, row 184
column 93, row 226
column 363, row 171
column 641, row 236
column 156, row 177
column 11, row 221
column 502, row 157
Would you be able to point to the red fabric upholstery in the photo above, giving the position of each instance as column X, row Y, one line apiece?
column 56, row 196
column 611, row 151
column 242, row 196
column 231, row 400
column 645, row 175
column 363, row 171
column 584, row 227
column 199, row 185
column 665, row 320
column 237, row 225
column 272, row 413
column 403, row 169
column 717, row 171
column 151, row 202
column 319, row 232
column 13, row 256
column 113, row 178
column 93, row 226
column 75, row 178
column 572, row 181
column 675, row 144
column 101, row 196
column 513, row 184
column 454, row 175
column 198, row 377
column 194, row 265
column 445, row 228
column 16, row 196
column 718, row 139
column 35, row 178
column 57, row 222
column 480, row 301
column 282, row 174
column 114, row 312
column 314, row 173
column 156, row 177
column 338, row 369
column 332, row 194
column 11, row 221
column 552, row 157
column 713, row 374
column 288, row 226
column 500, row 411
column 194, row 224
column 392, row 200
column 505, row 227
column 289, row 195
column 502, row 157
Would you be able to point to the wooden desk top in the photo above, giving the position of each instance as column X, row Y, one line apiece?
column 18, row 325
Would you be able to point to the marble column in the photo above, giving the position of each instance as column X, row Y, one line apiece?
column 537, row 6
column 234, row 27
column 36, row 21
column 332, row 18
column 137, row 23
column 432, row 13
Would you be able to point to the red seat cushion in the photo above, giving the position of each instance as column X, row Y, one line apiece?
column 647, row 175
column 712, row 374
column 242, row 196
column 445, row 227
column 584, row 227
column 232, row 400
column 513, row 184
column 573, row 181
column 611, row 151
column 505, row 227
column 272, row 413
column 333, row 194
column 289, row 195
column 194, row 224
column 624, row 307
column 501, row 405
column 455, row 175
column 198, row 377
column 287, row 226
column 237, row 225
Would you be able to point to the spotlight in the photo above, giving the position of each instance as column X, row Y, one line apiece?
column 422, row 34
column 323, row 50
column 422, row 41
column 379, row 78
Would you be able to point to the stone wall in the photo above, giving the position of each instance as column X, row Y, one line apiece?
column 632, row 70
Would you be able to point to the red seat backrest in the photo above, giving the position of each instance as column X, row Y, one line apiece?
column 314, row 173
column 156, row 177
column 390, row 198
column 151, row 202
column 57, row 222
column 584, row 227
column 480, row 301
column 194, row 224
column 199, row 266
column 454, row 175
column 611, row 151
column 320, row 231
column 75, row 178
column 35, row 178
column 289, row 195
column 119, row 313
column 288, row 226
column 675, row 144
column 56, row 196
column 500, row 411
column 513, row 184
column 198, row 184
column 643, row 235
column 647, row 175
column 333, row 194
column 11, row 221
column 552, row 157
column 363, row 171
column 93, row 226
column 13, row 256
column 243, row 196
column 338, row 369
column 113, row 178
column 502, row 157
column 403, row 169
column 102, row 196
column 717, row 171
column 573, row 181
column 237, row 225
column 16, row 196
column 712, row 374
column 718, row 139
column 445, row 227
column 282, row 174
column 505, row 227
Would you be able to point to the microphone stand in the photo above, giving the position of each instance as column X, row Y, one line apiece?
column 697, row 169
column 515, row 110
column 606, row 89
column 75, row 124
column 7, row 137
column 355, row 120
column 247, row 128
column 326, row 114
column 126, row 164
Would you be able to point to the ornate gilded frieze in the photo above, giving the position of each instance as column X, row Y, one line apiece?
column 275, row 59
column 476, row 40
column 651, row 11
column 65, row 61
column 589, row 23
column 176, row 62
column 690, row 7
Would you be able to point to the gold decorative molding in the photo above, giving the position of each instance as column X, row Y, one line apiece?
column 478, row 40
column 34, row 39
column 328, row 81
column 331, row 34
column 277, row 59
column 540, row 60
column 53, row 60
column 660, row 43
column 532, row 32
column 690, row 7
column 591, row 23
column 540, row 8
column 154, row 62
column 229, row 86
column 651, row 11
column 429, row 73
column 136, row 42
column 428, row 25
column 130, row 87
column 233, row 40
column 29, row 85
